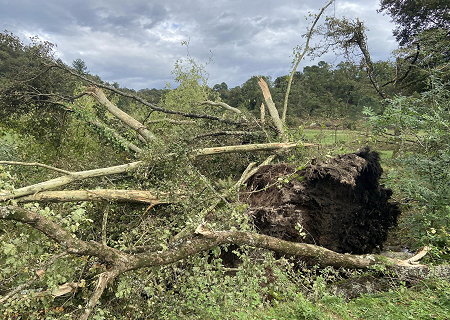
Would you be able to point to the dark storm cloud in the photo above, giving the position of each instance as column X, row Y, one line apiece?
column 136, row 42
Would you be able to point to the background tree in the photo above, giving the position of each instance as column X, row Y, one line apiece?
column 80, row 66
column 414, row 17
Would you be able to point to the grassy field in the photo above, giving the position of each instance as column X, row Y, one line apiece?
column 348, row 138
column 427, row 300
column 327, row 136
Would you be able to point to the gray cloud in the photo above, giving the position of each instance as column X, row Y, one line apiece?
column 136, row 43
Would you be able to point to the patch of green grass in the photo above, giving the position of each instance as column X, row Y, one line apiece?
column 386, row 154
column 328, row 136
column 427, row 300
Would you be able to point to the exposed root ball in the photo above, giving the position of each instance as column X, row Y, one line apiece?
column 337, row 204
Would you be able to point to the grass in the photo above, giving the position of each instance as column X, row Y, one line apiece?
column 330, row 137
column 327, row 136
column 429, row 299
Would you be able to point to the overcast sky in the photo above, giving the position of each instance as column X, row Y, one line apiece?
column 136, row 42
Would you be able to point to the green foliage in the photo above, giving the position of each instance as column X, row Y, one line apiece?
column 425, row 300
column 80, row 66
column 422, row 131
column 415, row 17
column 192, row 89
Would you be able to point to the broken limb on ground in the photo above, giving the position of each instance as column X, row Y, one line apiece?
column 337, row 204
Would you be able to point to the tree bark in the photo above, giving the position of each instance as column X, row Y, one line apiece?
column 140, row 196
column 201, row 241
column 223, row 105
column 80, row 175
column 98, row 94
column 103, row 280
column 271, row 106
column 144, row 102
column 228, row 133
column 248, row 148
column 35, row 164
column 61, row 181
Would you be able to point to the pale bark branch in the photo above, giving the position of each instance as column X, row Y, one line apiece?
column 227, row 133
column 16, row 290
column 248, row 148
column 299, row 58
column 171, row 121
column 271, row 106
column 223, row 105
column 263, row 113
column 80, row 175
column 250, row 170
column 35, row 164
column 140, row 196
column 61, row 181
column 103, row 280
column 98, row 94
column 60, row 291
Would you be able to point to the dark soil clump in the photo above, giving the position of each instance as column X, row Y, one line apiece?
column 338, row 204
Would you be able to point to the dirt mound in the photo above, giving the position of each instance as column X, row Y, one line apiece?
column 338, row 204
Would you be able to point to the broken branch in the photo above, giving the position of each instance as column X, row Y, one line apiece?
column 141, row 196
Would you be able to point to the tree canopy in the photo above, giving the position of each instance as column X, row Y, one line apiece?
column 414, row 17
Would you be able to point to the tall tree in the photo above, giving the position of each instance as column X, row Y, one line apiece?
column 80, row 66
column 415, row 17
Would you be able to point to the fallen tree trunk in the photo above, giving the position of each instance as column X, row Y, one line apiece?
column 61, row 181
column 337, row 204
column 201, row 240
column 98, row 94
column 140, row 196
column 80, row 175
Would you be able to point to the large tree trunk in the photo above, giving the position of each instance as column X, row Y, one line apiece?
column 141, row 196
column 337, row 204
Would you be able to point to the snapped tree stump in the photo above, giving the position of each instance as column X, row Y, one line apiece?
column 337, row 204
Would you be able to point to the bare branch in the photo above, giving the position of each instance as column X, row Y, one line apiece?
column 171, row 121
column 227, row 133
column 35, row 164
column 140, row 196
column 223, row 105
column 299, row 58
column 60, row 235
column 98, row 94
column 271, row 106
column 250, row 170
column 103, row 280
column 263, row 113
column 61, row 181
column 80, row 175
column 248, row 148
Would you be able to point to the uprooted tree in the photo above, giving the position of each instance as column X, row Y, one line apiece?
column 172, row 166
